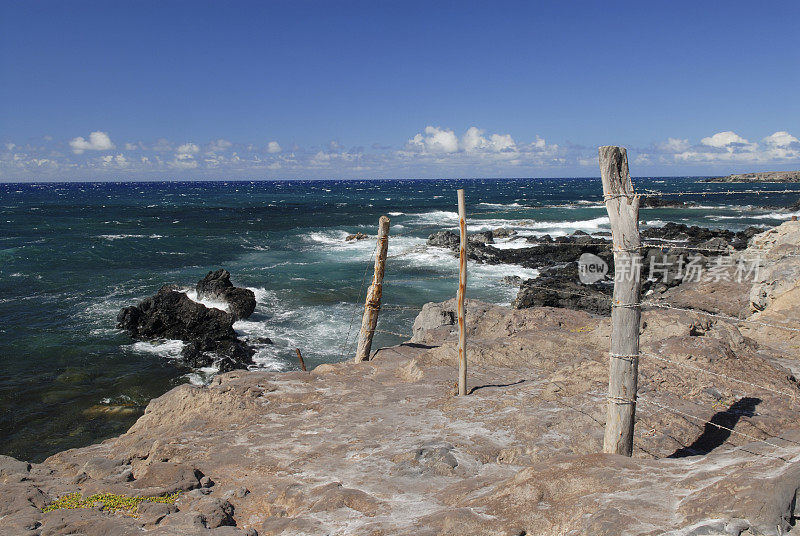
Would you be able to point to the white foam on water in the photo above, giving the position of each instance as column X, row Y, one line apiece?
column 517, row 242
column 262, row 295
column 123, row 236
column 488, row 276
column 528, row 227
column 776, row 216
column 566, row 226
column 119, row 236
column 396, row 213
column 213, row 304
column 334, row 238
column 318, row 330
column 492, row 273
column 500, row 205
column 441, row 264
column 444, row 218
column 168, row 348
column 489, row 224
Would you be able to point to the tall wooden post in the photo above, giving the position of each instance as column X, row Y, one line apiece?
column 462, row 288
column 623, row 212
column 373, row 303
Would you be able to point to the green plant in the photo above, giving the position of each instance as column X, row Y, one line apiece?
column 109, row 501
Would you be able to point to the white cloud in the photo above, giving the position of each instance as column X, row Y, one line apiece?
column 780, row 139
column 673, row 145
column 473, row 141
column 184, row 160
column 114, row 161
column 434, row 151
column 188, row 148
column 98, row 141
column 434, row 140
column 219, row 146
column 779, row 147
column 726, row 140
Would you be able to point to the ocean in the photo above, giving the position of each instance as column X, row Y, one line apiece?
column 73, row 254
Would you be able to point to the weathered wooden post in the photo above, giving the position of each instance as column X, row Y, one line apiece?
column 373, row 303
column 462, row 288
column 300, row 358
column 623, row 212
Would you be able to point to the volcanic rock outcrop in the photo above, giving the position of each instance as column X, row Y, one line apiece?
column 217, row 286
column 207, row 332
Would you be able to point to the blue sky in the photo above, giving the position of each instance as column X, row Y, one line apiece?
column 295, row 89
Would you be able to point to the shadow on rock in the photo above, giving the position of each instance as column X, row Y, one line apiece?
column 716, row 430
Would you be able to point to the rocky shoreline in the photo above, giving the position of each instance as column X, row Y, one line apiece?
column 767, row 176
column 384, row 447
column 558, row 284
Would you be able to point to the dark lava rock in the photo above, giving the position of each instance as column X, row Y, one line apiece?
column 172, row 315
column 225, row 354
column 486, row 237
column 561, row 287
column 502, row 232
column 217, row 286
column 445, row 239
column 685, row 233
column 511, row 280
column 357, row 236
column 695, row 236
column 208, row 332
column 651, row 201
column 743, row 237
column 558, row 285
column 548, row 252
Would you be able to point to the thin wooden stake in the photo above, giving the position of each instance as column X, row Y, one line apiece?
column 373, row 303
column 300, row 358
column 623, row 212
column 462, row 288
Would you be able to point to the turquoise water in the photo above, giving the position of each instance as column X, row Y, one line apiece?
column 71, row 255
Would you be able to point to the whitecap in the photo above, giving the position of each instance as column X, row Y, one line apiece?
column 119, row 236
column 168, row 348
column 500, row 205
column 214, row 304
column 776, row 216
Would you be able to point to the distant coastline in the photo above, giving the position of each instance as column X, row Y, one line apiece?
column 766, row 176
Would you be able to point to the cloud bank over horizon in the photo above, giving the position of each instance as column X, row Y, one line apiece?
column 433, row 152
